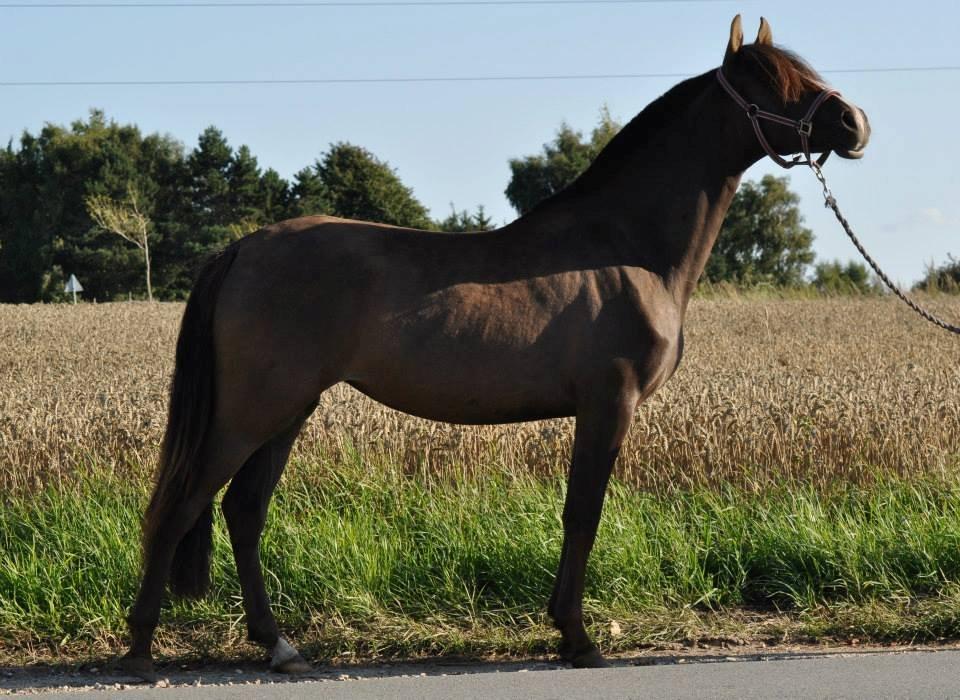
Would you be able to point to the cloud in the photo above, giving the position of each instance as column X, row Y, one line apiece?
column 924, row 218
column 934, row 216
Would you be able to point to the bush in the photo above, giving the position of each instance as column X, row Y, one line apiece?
column 945, row 278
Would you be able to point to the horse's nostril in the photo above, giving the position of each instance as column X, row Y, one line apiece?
column 849, row 120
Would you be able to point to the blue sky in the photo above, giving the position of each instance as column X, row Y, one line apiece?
column 451, row 141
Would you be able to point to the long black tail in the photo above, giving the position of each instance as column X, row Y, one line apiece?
column 191, row 409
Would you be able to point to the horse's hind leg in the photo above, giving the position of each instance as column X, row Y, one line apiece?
column 245, row 509
column 223, row 455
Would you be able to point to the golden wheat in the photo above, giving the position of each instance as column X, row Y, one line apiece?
column 817, row 390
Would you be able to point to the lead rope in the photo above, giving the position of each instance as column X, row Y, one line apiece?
column 831, row 202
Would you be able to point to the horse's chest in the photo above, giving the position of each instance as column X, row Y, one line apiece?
column 658, row 360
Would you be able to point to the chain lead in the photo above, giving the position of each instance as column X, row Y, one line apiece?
column 830, row 202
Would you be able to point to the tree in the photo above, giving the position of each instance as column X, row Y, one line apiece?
column 837, row 278
column 464, row 221
column 941, row 278
column 245, row 200
column 25, row 252
column 207, row 179
column 308, row 195
column 124, row 219
column 762, row 239
column 357, row 185
column 534, row 178
column 223, row 196
column 274, row 197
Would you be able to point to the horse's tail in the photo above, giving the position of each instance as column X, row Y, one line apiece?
column 191, row 409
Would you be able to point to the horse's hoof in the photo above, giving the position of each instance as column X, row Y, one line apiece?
column 139, row 666
column 295, row 666
column 591, row 658
column 286, row 659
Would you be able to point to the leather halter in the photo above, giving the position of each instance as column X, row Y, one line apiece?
column 803, row 126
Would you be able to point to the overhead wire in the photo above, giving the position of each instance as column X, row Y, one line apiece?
column 381, row 80
column 425, row 79
column 331, row 3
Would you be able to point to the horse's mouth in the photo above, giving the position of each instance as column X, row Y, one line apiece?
column 850, row 153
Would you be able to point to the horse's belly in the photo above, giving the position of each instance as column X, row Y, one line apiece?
column 478, row 399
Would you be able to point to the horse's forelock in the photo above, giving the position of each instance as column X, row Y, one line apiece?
column 789, row 74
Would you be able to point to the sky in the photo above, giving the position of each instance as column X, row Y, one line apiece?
column 451, row 142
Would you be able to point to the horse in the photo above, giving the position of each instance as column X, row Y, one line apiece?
column 574, row 309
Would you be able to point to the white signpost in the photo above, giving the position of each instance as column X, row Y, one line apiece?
column 73, row 286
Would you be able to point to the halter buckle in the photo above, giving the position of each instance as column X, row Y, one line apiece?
column 805, row 127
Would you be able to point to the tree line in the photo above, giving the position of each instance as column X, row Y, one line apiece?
column 105, row 202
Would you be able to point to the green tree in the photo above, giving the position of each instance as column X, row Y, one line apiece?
column 308, row 195
column 274, row 197
column 357, row 185
column 464, row 221
column 221, row 199
column 245, row 199
column 25, row 250
column 836, row 278
column 208, row 177
column 941, row 278
column 534, row 178
column 762, row 239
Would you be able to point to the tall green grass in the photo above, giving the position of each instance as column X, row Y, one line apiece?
column 369, row 559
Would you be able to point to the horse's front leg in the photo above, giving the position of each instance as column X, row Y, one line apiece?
column 602, row 423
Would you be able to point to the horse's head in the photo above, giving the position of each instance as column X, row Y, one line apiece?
column 797, row 111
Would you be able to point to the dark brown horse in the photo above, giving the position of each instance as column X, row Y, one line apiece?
column 575, row 309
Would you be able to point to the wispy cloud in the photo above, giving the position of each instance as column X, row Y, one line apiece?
column 925, row 218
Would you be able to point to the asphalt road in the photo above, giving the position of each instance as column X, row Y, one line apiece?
column 861, row 675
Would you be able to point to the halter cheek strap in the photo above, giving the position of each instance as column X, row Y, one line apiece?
column 803, row 126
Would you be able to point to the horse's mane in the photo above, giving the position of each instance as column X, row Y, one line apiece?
column 639, row 131
column 789, row 75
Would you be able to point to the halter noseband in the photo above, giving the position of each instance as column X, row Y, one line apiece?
column 803, row 126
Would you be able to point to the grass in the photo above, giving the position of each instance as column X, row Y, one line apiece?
column 365, row 559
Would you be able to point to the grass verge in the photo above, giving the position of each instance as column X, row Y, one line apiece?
column 365, row 559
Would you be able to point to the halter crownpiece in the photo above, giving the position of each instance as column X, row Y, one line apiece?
column 803, row 126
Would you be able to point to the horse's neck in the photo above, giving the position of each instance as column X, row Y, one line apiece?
column 664, row 208
column 689, row 238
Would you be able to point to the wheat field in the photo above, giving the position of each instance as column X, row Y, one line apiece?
column 770, row 389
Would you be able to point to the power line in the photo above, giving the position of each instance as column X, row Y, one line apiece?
column 332, row 3
column 904, row 69
column 337, row 81
column 424, row 79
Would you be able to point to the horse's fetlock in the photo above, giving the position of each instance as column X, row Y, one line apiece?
column 144, row 623
column 265, row 635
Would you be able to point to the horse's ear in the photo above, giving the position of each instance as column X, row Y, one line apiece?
column 736, row 39
column 765, row 35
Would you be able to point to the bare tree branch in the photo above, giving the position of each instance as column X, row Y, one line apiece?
column 124, row 219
